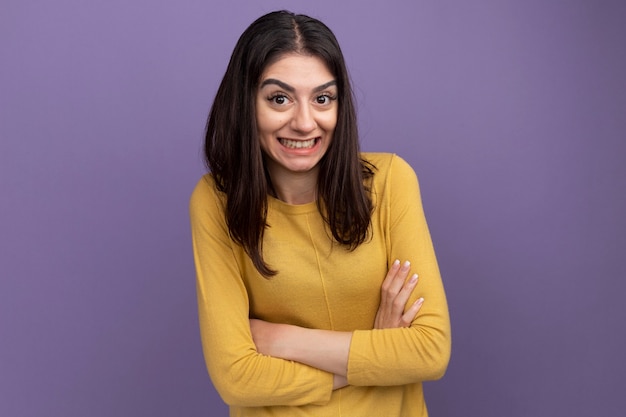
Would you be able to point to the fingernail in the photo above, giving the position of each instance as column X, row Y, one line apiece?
column 396, row 262
column 419, row 301
column 413, row 279
column 407, row 264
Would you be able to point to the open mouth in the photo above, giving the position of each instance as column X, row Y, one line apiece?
column 298, row 144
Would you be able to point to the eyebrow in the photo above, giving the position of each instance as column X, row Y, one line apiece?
column 289, row 88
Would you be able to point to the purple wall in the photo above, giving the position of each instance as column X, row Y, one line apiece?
column 512, row 113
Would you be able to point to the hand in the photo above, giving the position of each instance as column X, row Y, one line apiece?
column 394, row 294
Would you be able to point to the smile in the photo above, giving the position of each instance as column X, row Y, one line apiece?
column 298, row 144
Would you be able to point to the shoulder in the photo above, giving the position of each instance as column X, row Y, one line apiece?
column 206, row 197
column 389, row 167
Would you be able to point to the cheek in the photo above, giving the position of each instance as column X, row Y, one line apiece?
column 328, row 122
column 268, row 122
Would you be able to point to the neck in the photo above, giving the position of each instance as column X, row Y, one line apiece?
column 295, row 188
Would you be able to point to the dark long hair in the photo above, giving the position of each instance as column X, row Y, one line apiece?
column 232, row 149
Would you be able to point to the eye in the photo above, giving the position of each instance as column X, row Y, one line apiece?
column 279, row 99
column 324, row 99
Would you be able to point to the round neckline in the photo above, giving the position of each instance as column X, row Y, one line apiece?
column 275, row 203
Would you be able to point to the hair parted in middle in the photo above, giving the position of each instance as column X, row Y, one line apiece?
column 232, row 149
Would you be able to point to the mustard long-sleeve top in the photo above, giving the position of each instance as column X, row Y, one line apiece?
column 322, row 285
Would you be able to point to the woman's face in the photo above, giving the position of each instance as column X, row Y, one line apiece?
column 296, row 113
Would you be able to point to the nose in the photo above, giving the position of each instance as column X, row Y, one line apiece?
column 303, row 119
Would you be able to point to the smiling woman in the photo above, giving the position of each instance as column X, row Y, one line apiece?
column 305, row 307
column 296, row 114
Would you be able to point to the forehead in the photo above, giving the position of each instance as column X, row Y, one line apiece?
column 298, row 69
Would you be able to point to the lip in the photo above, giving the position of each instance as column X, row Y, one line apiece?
column 315, row 145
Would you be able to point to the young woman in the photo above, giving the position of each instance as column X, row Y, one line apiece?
column 307, row 300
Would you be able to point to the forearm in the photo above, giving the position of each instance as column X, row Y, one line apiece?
column 322, row 349
column 329, row 350
column 326, row 350
column 339, row 381
column 399, row 356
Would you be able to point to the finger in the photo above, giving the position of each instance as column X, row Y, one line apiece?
column 400, row 290
column 398, row 280
column 411, row 313
column 405, row 293
column 390, row 275
column 386, row 289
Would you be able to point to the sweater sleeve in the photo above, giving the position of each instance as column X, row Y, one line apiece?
column 241, row 375
column 422, row 351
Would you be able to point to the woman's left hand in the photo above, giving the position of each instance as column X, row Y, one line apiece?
column 394, row 294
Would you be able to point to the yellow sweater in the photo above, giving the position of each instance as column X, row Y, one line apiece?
column 320, row 285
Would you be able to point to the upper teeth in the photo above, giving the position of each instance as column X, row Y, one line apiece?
column 297, row 143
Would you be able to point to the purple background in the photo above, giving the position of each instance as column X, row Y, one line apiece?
column 512, row 113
